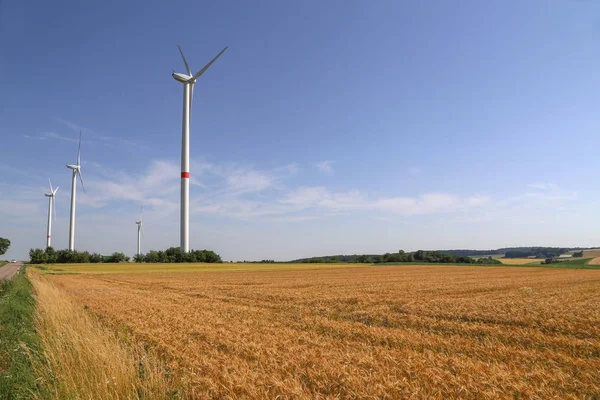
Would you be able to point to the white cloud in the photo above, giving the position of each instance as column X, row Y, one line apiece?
column 265, row 199
column 243, row 180
column 543, row 186
column 326, row 167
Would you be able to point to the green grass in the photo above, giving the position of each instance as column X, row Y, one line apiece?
column 18, row 340
column 3, row 263
column 575, row 263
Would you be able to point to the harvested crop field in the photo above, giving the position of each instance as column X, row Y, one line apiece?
column 595, row 261
column 591, row 253
column 519, row 261
column 367, row 332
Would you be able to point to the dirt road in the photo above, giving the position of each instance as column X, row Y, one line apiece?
column 9, row 270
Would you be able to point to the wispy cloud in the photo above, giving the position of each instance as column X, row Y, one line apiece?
column 73, row 139
column 429, row 203
column 21, row 203
column 326, row 167
column 546, row 199
column 543, row 186
column 244, row 192
column 88, row 133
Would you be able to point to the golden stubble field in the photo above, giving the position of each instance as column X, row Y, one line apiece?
column 519, row 261
column 369, row 332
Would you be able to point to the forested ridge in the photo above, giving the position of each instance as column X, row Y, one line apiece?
column 460, row 255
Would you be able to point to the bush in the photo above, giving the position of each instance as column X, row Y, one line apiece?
column 37, row 256
column 96, row 258
column 175, row 255
column 117, row 257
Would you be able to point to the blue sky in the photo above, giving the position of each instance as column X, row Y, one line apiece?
column 327, row 127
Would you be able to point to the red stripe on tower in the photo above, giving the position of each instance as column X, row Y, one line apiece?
column 185, row 175
column 48, row 236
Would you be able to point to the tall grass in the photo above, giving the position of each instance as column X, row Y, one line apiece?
column 85, row 359
column 17, row 338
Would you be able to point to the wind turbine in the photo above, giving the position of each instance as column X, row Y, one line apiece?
column 139, row 224
column 76, row 171
column 188, row 81
column 51, row 205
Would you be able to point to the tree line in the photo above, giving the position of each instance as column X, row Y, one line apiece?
column 175, row 255
column 66, row 256
column 537, row 252
column 171, row 255
column 402, row 256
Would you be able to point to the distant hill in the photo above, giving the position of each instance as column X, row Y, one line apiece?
column 508, row 252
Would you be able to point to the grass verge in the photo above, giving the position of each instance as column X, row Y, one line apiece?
column 18, row 340
column 83, row 358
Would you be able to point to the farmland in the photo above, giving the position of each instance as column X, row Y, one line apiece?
column 519, row 261
column 363, row 332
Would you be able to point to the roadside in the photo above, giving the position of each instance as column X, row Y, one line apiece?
column 9, row 270
column 19, row 342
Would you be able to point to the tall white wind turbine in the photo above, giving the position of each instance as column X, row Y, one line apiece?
column 76, row 172
column 188, row 81
column 139, row 224
column 51, row 205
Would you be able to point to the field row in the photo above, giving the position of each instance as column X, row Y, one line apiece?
column 370, row 332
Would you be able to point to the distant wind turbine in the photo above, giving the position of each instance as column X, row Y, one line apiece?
column 51, row 205
column 188, row 81
column 139, row 224
column 76, row 172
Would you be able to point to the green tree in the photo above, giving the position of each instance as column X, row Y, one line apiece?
column 82, row 257
column 117, row 257
column 37, row 256
column 364, row 259
column 96, row 258
column 138, row 258
column 65, row 256
column 4, row 245
column 152, row 257
column 50, row 255
column 212, row 257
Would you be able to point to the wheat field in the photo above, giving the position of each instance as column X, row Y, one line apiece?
column 83, row 358
column 366, row 332
column 594, row 261
column 519, row 261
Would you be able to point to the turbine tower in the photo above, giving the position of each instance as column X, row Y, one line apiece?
column 139, row 224
column 51, row 205
column 76, row 171
column 188, row 81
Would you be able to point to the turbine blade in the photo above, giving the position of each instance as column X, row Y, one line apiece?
column 79, row 150
column 208, row 65
column 187, row 67
column 81, row 180
column 141, row 214
column 50, row 182
column 55, row 190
